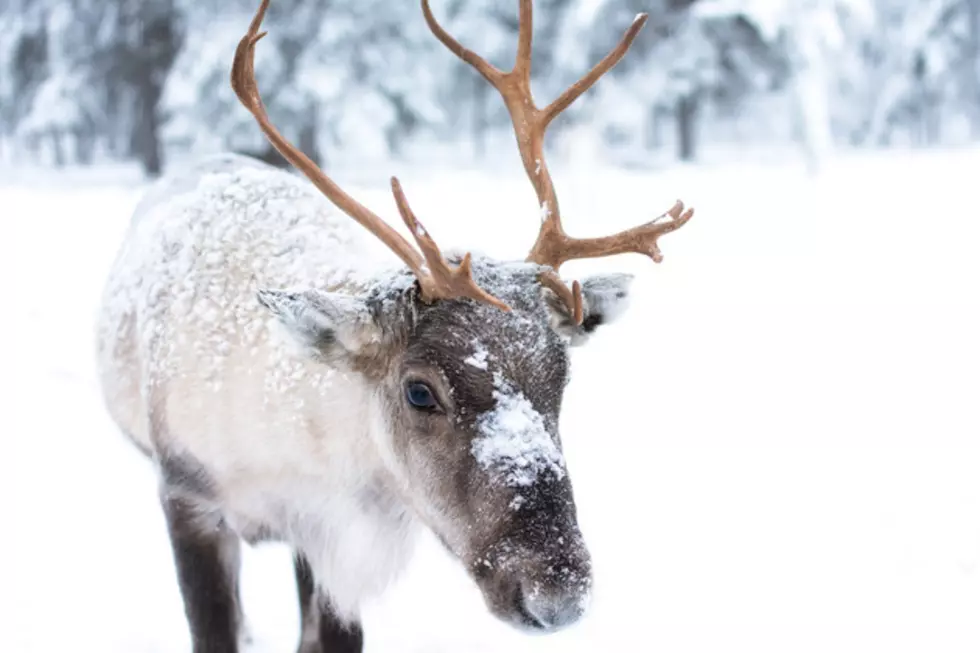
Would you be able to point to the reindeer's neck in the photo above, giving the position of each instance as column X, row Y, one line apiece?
column 299, row 462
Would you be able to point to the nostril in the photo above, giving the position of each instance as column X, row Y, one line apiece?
column 553, row 610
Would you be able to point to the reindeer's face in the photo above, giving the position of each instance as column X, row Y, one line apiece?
column 471, row 398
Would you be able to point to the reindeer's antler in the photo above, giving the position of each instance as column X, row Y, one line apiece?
column 553, row 246
column 437, row 278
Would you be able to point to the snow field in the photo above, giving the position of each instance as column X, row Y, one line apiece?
column 776, row 449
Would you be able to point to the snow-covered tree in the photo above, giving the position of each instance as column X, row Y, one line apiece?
column 690, row 57
column 85, row 80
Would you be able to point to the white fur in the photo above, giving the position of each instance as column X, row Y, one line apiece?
column 607, row 294
column 603, row 294
column 189, row 364
column 309, row 313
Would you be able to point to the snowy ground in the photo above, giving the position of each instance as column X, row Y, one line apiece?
column 777, row 450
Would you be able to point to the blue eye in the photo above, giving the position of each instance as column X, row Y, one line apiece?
column 420, row 396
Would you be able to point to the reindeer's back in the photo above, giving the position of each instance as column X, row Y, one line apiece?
column 179, row 315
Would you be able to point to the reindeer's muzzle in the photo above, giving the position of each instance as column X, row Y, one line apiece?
column 551, row 610
column 537, row 586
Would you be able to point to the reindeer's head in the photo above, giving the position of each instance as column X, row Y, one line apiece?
column 470, row 359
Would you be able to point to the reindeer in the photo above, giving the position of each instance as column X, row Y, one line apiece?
column 287, row 387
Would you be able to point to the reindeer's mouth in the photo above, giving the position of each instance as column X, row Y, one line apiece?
column 535, row 589
column 534, row 612
column 523, row 616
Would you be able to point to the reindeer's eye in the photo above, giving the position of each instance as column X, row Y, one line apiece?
column 420, row 396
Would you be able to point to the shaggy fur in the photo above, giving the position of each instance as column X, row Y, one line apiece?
column 256, row 347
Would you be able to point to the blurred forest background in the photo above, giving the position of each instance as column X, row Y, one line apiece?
column 91, row 81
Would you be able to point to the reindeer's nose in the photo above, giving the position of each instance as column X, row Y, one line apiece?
column 555, row 609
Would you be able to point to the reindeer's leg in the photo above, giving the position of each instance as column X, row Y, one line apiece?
column 323, row 631
column 206, row 554
column 308, row 609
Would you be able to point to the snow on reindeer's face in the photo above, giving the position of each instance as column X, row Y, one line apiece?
column 472, row 397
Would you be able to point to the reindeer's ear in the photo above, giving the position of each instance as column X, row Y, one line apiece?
column 324, row 323
column 605, row 297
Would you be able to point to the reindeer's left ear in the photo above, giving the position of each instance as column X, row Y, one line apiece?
column 605, row 297
column 324, row 323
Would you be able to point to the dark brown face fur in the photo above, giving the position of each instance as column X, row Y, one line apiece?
column 484, row 463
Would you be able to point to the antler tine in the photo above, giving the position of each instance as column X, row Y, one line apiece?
column 514, row 88
column 525, row 37
column 529, row 121
column 638, row 240
column 441, row 280
column 490, row 72
column 436, row 279
column 572, row 297
column 245, row 87
column 553, row 246
column 573, row 92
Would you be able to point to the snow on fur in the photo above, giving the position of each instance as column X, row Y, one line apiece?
column 271, row 231
column 479, row 357
column 514, row 440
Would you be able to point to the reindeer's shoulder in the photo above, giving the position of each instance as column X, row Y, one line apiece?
column 204, row 240
column 229, row 211
column 186, row 179
column 229, row 188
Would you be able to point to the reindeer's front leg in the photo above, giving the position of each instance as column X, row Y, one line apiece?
column 206, row 555
column 323, row 632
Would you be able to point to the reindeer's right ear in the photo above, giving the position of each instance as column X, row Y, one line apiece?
column 325, row 323
column 605, row 297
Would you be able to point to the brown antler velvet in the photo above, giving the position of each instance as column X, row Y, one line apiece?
column 553, row 246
